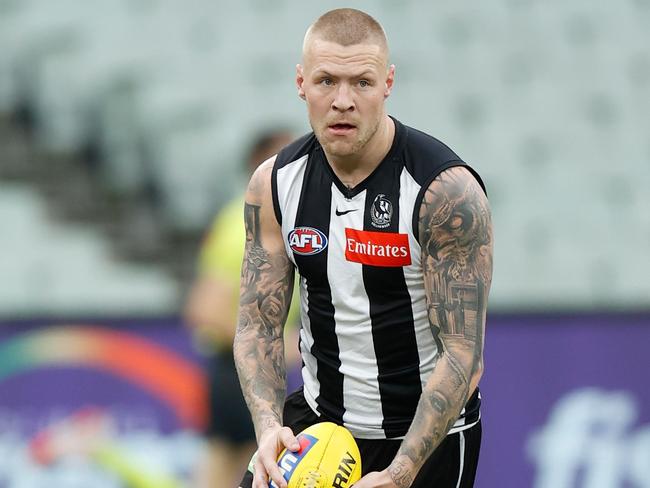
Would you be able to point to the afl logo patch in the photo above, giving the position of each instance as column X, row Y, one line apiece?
column 307, row 241
column 381, row 211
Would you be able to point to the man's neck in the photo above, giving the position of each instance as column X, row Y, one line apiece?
column 353, row 169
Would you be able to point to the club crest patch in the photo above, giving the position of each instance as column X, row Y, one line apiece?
column 381, row 211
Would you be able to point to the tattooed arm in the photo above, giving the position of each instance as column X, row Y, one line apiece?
column 455, row 232
column 265, row 296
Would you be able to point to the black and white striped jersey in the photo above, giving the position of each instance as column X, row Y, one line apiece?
column 365, row 340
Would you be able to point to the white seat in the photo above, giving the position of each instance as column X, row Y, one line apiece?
column 63, row 269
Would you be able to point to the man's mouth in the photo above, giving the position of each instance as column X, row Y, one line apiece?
column 341, row 128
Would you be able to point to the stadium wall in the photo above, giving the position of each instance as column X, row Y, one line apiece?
column 565, row 400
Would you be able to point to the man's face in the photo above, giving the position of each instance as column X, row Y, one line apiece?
column 345, row 88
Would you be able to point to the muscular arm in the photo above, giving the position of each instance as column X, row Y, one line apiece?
column 265, row 296
column 455, row 232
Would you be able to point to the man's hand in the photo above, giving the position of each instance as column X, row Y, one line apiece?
column 272, row 441
column 377, row 479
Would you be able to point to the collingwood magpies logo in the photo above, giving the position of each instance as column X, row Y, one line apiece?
column 381, row 211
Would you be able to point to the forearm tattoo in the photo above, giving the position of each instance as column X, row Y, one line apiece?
column 265, row 294
column 400, row 473
column 455, row 232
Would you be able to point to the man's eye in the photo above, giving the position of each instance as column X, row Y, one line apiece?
column 364, row 83
column 326, row 82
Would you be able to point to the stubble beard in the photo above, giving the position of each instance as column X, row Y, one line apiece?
column 343, row 149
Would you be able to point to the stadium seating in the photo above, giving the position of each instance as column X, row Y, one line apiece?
column 549, row 100
column 50, row 269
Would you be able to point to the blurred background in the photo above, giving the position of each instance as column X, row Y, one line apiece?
column 124, row 128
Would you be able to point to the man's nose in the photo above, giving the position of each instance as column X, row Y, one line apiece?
column 343, row 99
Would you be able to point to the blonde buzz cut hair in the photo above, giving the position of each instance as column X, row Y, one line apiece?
column 347, row 26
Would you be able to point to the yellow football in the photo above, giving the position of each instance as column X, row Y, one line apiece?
column 328, row 458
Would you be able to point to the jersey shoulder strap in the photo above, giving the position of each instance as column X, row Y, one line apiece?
column 290, row 153
column 425, row 158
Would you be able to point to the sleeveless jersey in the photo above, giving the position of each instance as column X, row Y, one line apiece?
column 365, row 340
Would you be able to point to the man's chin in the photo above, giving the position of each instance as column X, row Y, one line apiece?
column 340, row 150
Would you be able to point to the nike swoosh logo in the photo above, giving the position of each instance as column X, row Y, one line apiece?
column 345, row 211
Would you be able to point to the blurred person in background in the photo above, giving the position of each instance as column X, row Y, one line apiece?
column 391, row 234
column 211, row 312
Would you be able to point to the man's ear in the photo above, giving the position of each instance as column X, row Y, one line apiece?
column 390, row 78
column 299, row 81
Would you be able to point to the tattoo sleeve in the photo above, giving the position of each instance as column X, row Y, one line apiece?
column 265, row 295
column 455, row 232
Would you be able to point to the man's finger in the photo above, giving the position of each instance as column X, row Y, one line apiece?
column 260, row 481
column 260, row 477
column 275, row 474
column 289, row 440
